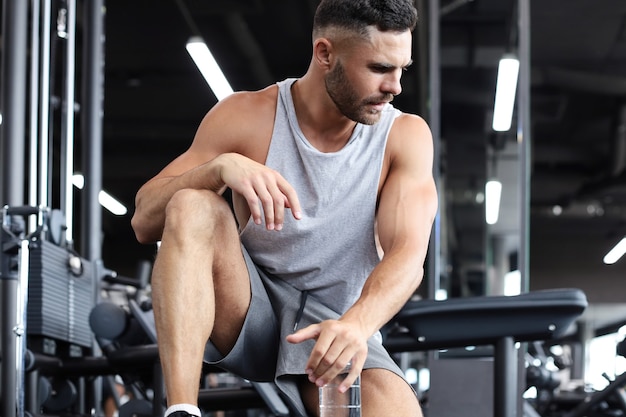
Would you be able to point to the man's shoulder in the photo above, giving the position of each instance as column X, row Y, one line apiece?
column 410, row 119
column 242, row 123
column 409, row 136
column 251, row 101
column 243, row 112
column 409, row 125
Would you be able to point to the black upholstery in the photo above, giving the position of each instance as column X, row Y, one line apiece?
column 457, row 322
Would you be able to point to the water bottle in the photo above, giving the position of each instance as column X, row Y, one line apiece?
column 337, row 404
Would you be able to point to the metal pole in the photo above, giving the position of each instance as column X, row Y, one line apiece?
column 433, row 105
column 524, row 149
column 12, row 132
column 20, row 328
column 505, row 378
column 44, row 105
column 91, row 113
column 9, row 322
column 524, row 139
column 34, row 112
column 13, row 100
column 421, row 50
column 434, row 117
column 67, row 127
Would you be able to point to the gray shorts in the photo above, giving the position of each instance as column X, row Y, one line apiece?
column 261, row 352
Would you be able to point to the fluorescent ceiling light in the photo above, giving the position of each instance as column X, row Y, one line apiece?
column 493, row 191
column 208, row 67
column 506, row 85
column 615, row 253
column 110, row 203
column 105, row 199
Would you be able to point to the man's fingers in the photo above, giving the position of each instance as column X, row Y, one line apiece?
column 309, row 332
column 328, row 357
column 274, row 200
column 266, row 192
column 356, row 363
column 332, row 364
column 267, row 202
column 278, row 205
column 291, row 198
column 253, row 203
column 331, row 353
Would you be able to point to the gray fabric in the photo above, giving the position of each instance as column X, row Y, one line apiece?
column 255, row 353
column 331, row 251
column 261, row 352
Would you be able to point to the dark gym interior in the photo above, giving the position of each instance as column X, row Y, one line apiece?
column 562, row 165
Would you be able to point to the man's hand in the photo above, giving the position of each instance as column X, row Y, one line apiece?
column 257, row 183
column 338, row 343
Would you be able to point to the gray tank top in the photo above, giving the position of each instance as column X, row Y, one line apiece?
column 331, row 251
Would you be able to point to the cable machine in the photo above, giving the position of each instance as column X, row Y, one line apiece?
column 44, row 282
column 59, row 342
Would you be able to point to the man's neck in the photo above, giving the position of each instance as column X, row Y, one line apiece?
column 319, row 119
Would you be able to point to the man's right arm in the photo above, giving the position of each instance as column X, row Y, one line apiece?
column 228, row 150
column 152, row 198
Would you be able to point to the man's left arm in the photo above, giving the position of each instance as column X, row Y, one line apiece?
column 407, row 207
column 406, row 210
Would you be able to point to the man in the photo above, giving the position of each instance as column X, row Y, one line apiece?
column 291, row 287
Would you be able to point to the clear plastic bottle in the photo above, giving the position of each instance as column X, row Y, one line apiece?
column 336, row 404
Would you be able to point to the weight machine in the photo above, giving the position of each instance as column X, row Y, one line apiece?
column 47, row 288
column 52, row 359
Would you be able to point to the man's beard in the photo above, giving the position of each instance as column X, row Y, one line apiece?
column 347, row 101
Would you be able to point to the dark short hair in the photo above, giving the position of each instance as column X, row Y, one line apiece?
column 357, row 15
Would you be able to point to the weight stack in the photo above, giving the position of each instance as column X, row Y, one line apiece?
column 59, row 301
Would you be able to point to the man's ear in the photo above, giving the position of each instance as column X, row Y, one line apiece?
column 322, row 51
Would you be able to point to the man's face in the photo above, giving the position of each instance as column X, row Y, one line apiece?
column 371, row 75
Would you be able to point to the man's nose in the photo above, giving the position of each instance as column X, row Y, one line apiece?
column 392, row 83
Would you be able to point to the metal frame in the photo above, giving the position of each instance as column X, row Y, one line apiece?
column 506, row 391
column 13, row 98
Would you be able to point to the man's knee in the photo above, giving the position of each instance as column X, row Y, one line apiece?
column 196, row 211
column 384, row 390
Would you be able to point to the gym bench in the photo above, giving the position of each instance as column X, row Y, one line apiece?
column 500, row 321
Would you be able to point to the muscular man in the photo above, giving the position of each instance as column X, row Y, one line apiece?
column 333, row 202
